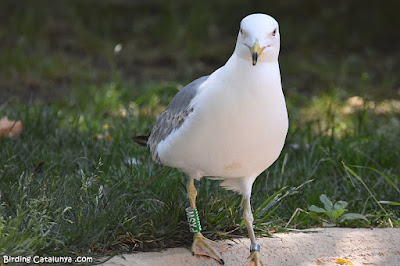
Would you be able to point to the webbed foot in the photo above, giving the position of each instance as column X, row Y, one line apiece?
column 204, row 247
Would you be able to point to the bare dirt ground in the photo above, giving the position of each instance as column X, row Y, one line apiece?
column 321, row 246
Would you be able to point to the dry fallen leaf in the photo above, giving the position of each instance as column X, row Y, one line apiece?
column 10, row 128
column 343, row 261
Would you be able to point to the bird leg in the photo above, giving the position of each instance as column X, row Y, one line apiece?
column 192, row 192
column 201, row 246
column 255, row 256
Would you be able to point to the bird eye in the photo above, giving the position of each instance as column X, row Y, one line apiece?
column 274, row 32
column 241, row 31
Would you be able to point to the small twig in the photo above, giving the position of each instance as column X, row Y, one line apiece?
column 390, row 222
column 294, row 214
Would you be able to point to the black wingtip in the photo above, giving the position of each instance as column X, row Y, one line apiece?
column 141, row 140
column 222, row 261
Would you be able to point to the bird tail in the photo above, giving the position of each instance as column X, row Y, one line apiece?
column 141, row 140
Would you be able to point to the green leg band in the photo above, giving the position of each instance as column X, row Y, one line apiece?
column 193, row 220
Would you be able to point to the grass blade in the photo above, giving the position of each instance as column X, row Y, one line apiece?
column 393, row 203
column 386, row 178
column 349, row 170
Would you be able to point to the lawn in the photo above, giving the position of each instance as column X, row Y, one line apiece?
column 73, row 183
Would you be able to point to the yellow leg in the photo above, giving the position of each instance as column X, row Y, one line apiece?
column 192, row 192
column 202, row 246
column 255, row 256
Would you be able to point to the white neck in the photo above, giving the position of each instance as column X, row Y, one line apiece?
column 264, row 72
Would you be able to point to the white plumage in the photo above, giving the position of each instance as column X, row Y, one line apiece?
column 232, row 124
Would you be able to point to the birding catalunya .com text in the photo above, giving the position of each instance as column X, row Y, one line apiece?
column 42, row 259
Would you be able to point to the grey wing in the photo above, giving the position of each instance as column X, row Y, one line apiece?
column 174, row 115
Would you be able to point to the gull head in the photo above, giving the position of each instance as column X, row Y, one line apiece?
column 258, row 39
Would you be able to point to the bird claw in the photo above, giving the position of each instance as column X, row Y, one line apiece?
column 254, row 259
column 204, row 247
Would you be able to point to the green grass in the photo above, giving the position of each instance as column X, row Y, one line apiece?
column 73, row 183
column 64, row 189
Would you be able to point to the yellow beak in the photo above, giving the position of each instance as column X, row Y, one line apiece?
column 256, row 51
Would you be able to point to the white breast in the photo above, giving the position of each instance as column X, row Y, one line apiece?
column 238, row 126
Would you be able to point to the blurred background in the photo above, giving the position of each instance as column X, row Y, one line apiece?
column 51, row 49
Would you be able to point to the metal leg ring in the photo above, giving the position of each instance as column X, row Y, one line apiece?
column 255, row 247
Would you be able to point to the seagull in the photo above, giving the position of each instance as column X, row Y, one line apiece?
column 230, row 125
